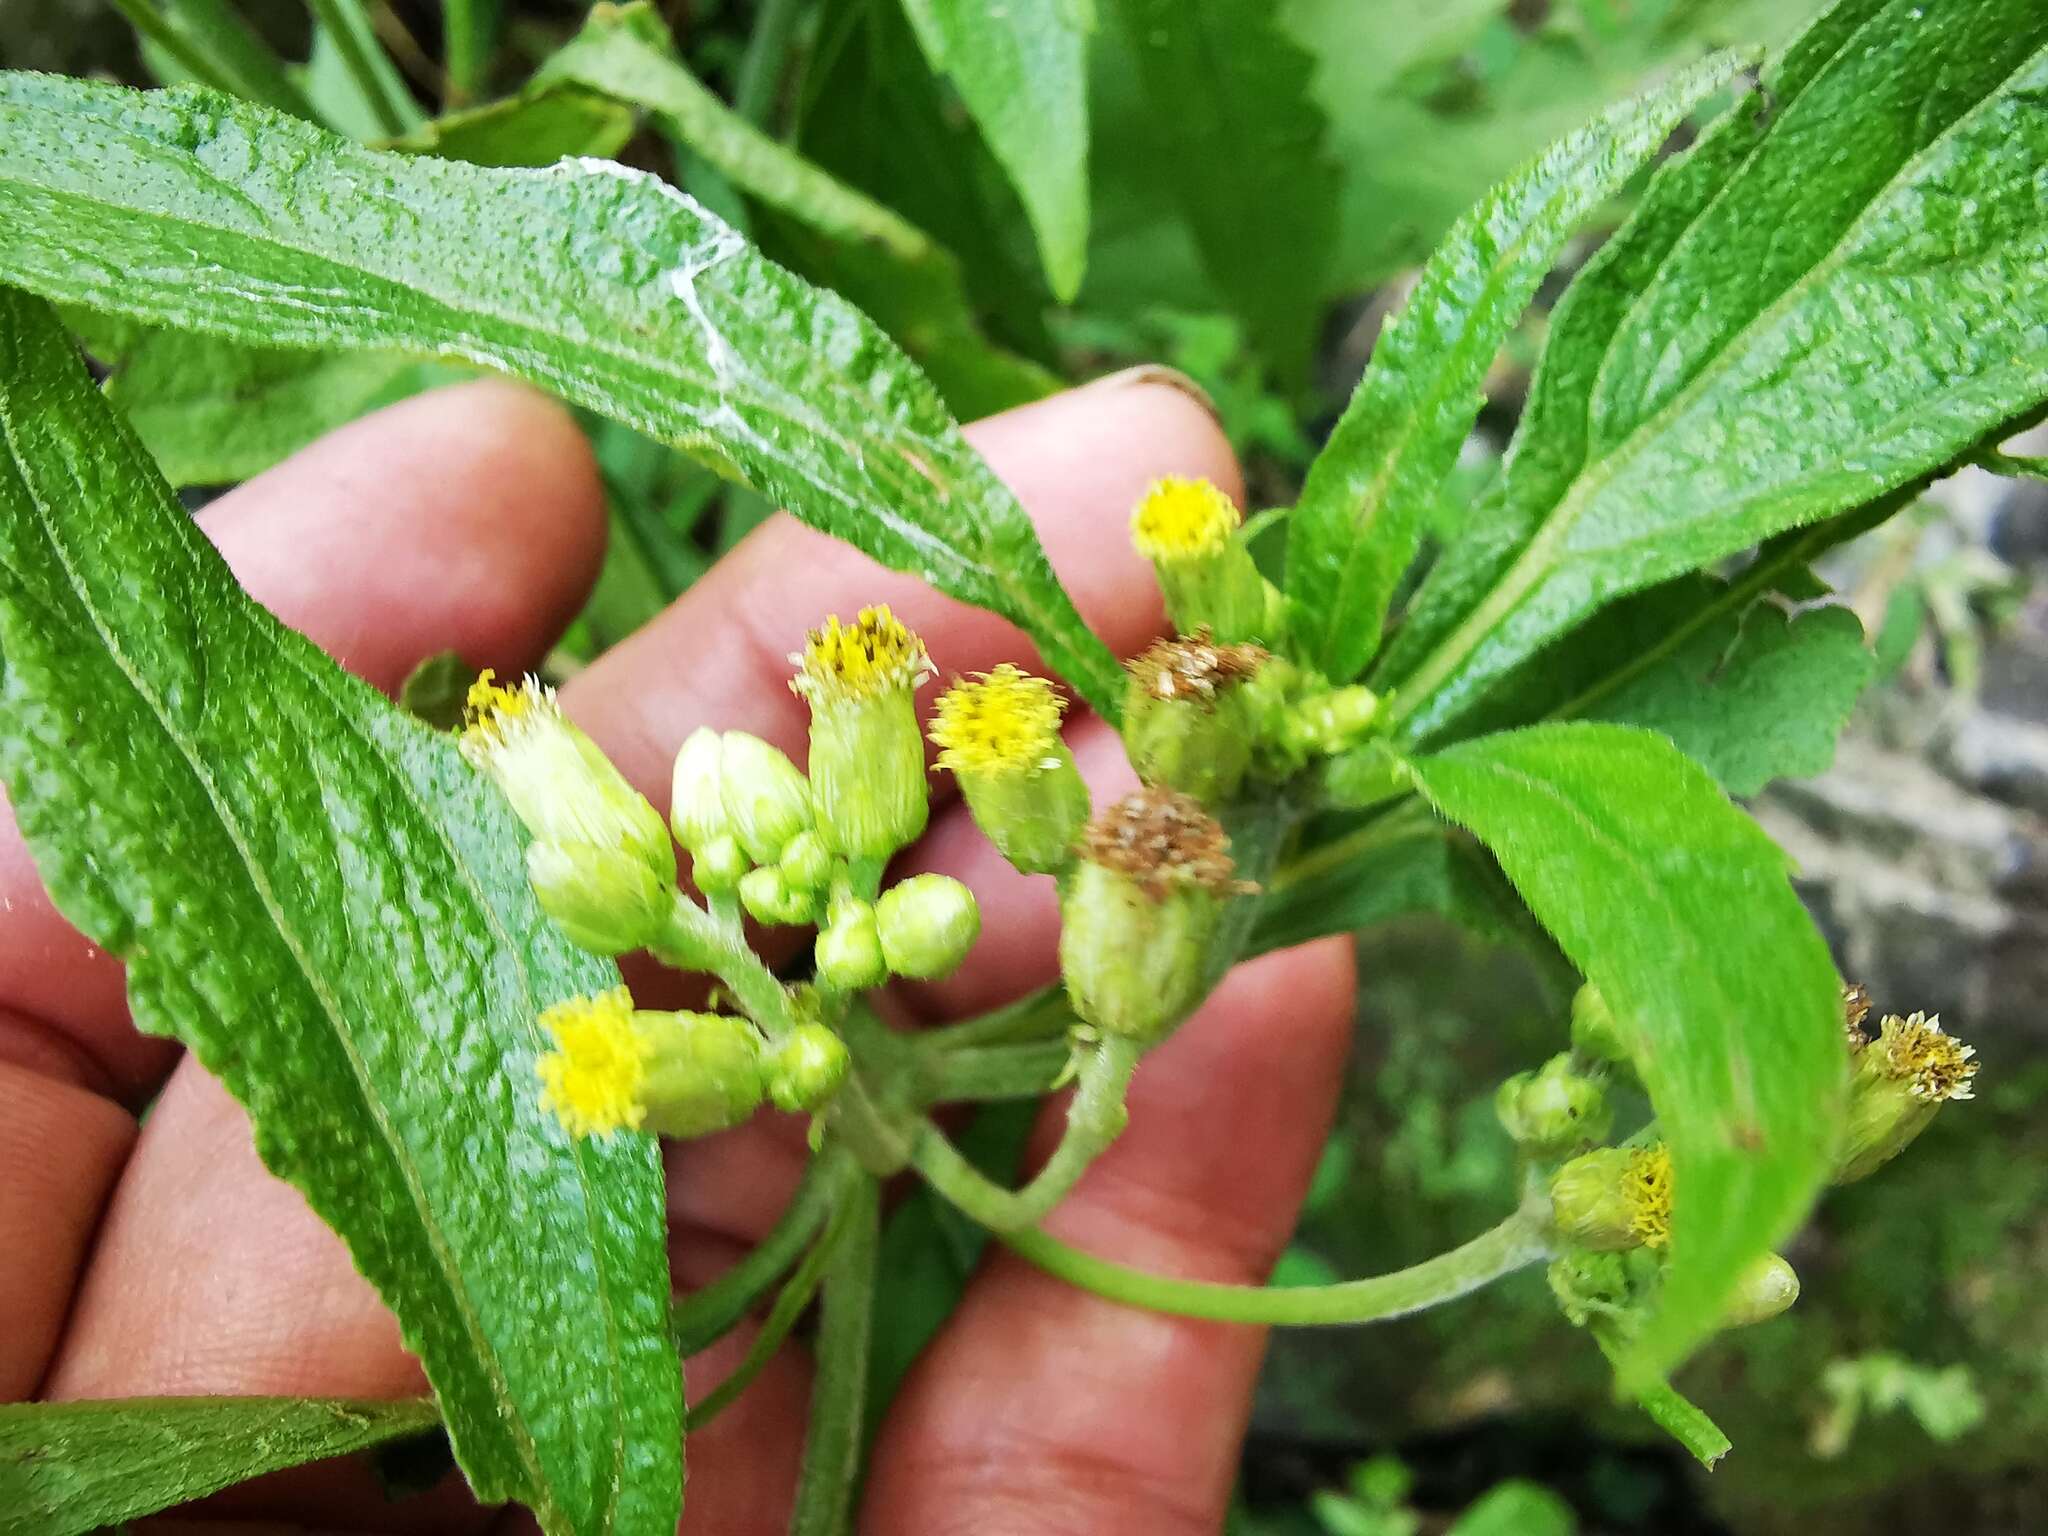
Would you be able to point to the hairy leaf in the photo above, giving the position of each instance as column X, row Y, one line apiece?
column 606, row 286
column 1838, row 291
column 1229, row 127
column 545, row 124
column 1677, row 907
column 1360, row 518
column 68, row 1468
column 884, row 263
column 328, row 907
column 1021, row 68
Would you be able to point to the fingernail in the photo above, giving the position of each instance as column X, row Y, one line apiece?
column 1157, row 373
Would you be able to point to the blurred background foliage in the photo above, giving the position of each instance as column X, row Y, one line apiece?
column 1909, row 1388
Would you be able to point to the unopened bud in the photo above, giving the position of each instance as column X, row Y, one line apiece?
column 696, row 807
column 1901, row 1079
column 604, row 859
column 926, row 925
column 1553, row 1109
column 1139, row 913
column 769, row 898
column 1595, row 1034
column 849, row 951
column 719, row 865
column 1766, row 1288
column 1188, row 529
column 867, row 754
column 806, row 1068
column 767, row 800
column 1000, row 735
column 1190, row 721
column 807, row 862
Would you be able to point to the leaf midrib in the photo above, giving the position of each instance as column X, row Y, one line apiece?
column 517, row 1429
column 1530, row 566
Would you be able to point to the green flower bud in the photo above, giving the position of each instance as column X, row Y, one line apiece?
column 1188, row 529
column 1001, row 738
column 806, row 1069
column 696, row 807
column 604, row 855
column 1139, row 913
column 1901, row 1079
column 1595, row 1034
column 719, row 865
column 867, row 755
column 1330, row 721
column 926, row 925
column 607, row 902
column 1591, row 1284
column 849, row 951
column 1614, row 1198
column 807, row 862
column 1190, row 722
column 767, row 801
column 769, row 898
column 1553, row 1109
column 677, row 1074
column 1766, row 1288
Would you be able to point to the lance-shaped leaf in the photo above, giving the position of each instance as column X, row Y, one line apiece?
column 1822, row 301
column 1022, row 70
column 1360, row 517
column 69, row 1468
column 605, row 286
column 328, row 907
column 1677, row 907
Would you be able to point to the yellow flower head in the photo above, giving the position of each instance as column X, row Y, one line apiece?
column 872, row 655
column 595, row 1077
column 1934, row 1065
column 1179, row 519
column 491, row 713
column 1007, row 722
column 1646, row 1190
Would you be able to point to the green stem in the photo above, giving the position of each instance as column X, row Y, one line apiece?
column 1094, row 1119
column 831, row 1466
column 471, row 26
column 1671, row 1410
column 1042, row 1015
column 355, row 41
column 983, row 1072
column 760, row 72
column 154, row 27
column 2014, row 466
column 697, row 941
column 1519, row 1241
column 709, row 1313
column 790, row 1304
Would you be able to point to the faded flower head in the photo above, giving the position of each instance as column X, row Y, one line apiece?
column 872, row 655
column 1855, row 1009
column 1178, row 519
column 1162, row 840
column 595, row 1078
column 1193, row 669
column 1646, row 1190
column 1935, row 1067
column 1002, row 722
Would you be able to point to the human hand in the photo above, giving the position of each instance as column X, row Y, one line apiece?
column 167, row 1261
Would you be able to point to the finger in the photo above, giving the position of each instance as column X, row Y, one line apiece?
column 468, row 519
column 720, row 656
column 1042, row 1408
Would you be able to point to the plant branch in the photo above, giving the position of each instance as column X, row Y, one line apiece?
column 790, row 1304
column 979, row 1073
column 1041, row 1015
column 697, row 941
column 1515, row 1244
column 831, row 1466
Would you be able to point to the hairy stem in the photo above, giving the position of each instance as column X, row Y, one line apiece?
column 1516, row 1243
column 1094, row 1119
column 983, row 1072
column 790, row 1304
column 831, row 1466
column 711, row 1312
column 1042, row 1015
column 697, row 941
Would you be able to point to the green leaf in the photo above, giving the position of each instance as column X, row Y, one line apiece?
column 329, row 908
column 1362, row 509
column 606, row 287
column 1021, row 69
column 1229, row 128
column 208, row 40
column 1516, row 1508
column 348, row 27
column 68, row 1468
column 436, row 690
column 885, row 264
column 1677, row 907
column 1834, row 294
column 542, row 125
column 214, row 412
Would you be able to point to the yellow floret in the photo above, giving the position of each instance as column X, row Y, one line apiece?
column 594, row 1079
column 1646, row 1188
column 491, row 713
column 1915, row 1051
column 1007, row 722
column 1178, row 519
column 872, row 655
